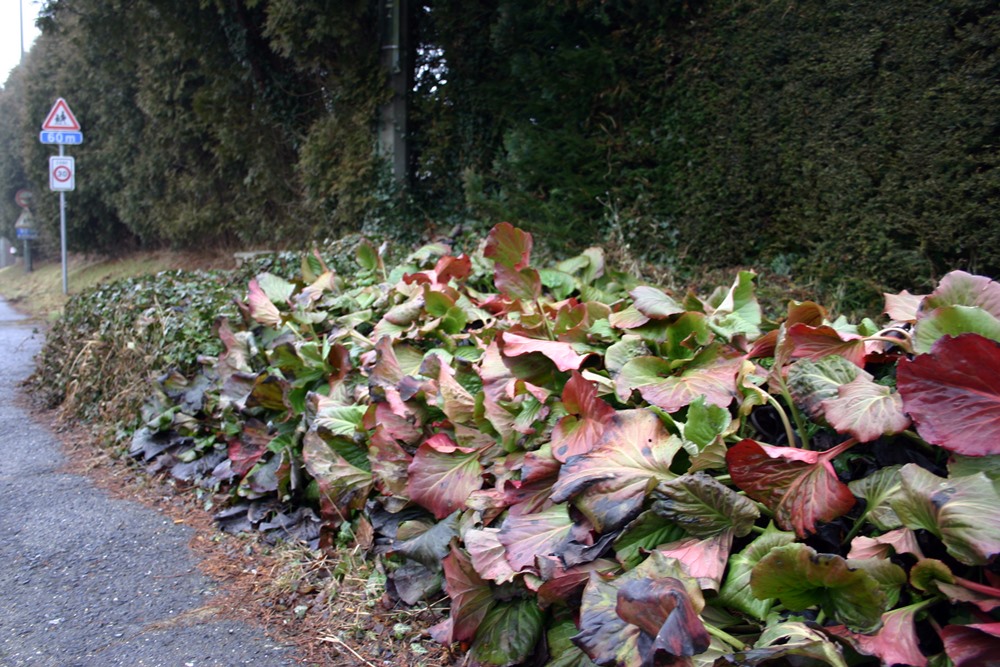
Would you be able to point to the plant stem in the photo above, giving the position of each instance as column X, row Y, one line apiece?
column 796, row 415
column 545, row 321
column 789, row 432
column 726, row 637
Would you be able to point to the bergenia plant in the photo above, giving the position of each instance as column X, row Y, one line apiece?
column 597, row 471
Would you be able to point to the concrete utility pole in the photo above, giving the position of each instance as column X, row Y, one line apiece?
column 20, row 11
column 395, row 35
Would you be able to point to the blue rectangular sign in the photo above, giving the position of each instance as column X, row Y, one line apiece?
column 60, row 137
column 26, row 233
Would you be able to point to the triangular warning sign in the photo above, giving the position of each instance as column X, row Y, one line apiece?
column 61, row 118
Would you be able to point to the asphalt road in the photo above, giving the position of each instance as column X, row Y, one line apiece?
column 87, row 580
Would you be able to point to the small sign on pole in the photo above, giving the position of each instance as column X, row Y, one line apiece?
column 61, row 127
column 62, row 173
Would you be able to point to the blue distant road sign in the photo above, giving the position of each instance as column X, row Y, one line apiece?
column 59, row 137
column 25, row 233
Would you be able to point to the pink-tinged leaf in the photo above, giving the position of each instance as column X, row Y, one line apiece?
column 609, row 483
column 246, row 449
column 663, row 609
column 580, row 430
column 443, row 475
column 959, row 288
column 471, row 596
column 628, row 318
column 901, row 540
column 527, row 536
column 389, row 462
column 800, row 486
column 404, row 426
column 895, row 643
column 450, row 267
column 489, row 555
column 866, row 410
column 655, row 303
column 953, row 394
column 609, row 639
column 975, row 645
column 262, row 310
column 561, row 354
column 703, row 559
column 985, row 598
column 498, row 390
column 710, row 376
column 387, row 373
column 959, row 510
column 509, row 246
column 342, row 484
column 517, row 284
column 817, row 342
column 902, row 307
column 454, row 399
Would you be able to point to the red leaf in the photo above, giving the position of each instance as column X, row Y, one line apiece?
column 580, row 430
column 389, row 461
column 517, row 284
column 444, row 475
column 610, row 482
column 471, row 596
column 800, row 486
column 561, row 354
column 663, row 609
column 562, row 582
column 953, row 394
column 972, row 645
column 509, row 246
column 262, row 310
column 245, row 450
column 894, row 644
column 817, row 342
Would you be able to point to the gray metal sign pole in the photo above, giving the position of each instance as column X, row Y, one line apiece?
column 62, row 232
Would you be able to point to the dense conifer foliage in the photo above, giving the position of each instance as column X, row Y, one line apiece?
column 840, row 142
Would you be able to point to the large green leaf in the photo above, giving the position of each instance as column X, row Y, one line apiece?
column 346, row 486
column 704, row 507
column 562, row 651
column 648, row 531
column 959, row 288
column 953, row 321
column 800, row 578
column 961, row 511
column 655, row 303
column 879, row 490
column 736, row 592
column 610, row 483
column 795, row 641
column 812, row 382
column 508, row 634
column 739, row 312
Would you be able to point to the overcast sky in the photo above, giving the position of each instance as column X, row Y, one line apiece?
column 10, row 32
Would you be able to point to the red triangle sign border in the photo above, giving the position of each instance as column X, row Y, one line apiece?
column 60, row 118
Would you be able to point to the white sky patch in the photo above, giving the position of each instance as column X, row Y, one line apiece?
column 10, row 32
